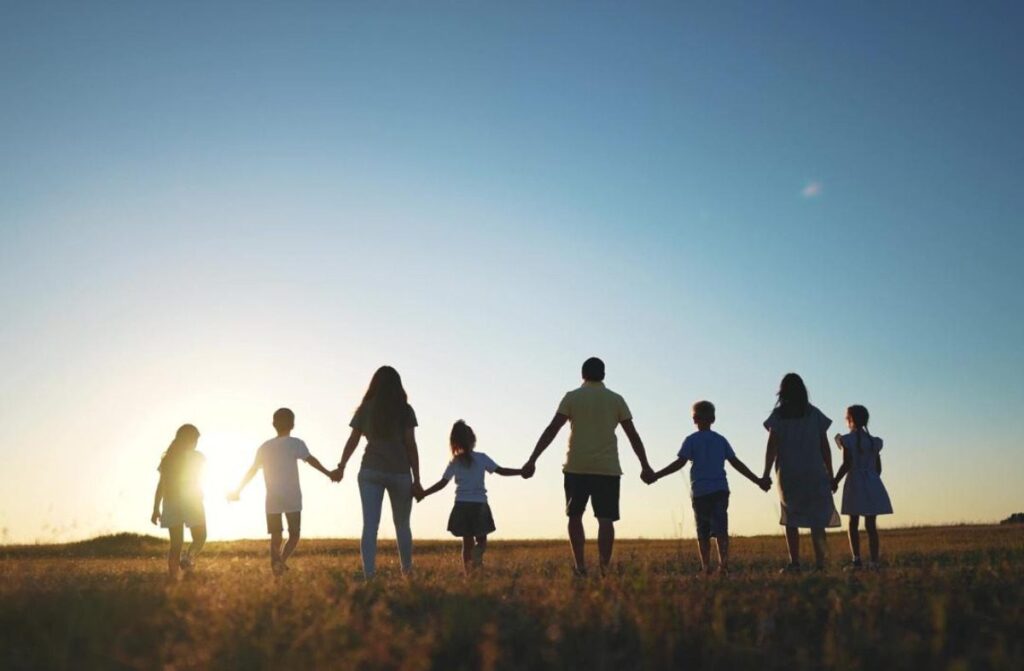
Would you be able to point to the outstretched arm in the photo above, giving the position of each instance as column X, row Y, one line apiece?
column 346, row 454
column 557, row 422
column 436, row 487
column 500, row 470
column 158, row 496
column 249, row 475
column 763, row 483
column 315, row 463
column 646, row 472
column 668, row 470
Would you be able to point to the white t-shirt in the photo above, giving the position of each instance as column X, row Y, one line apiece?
column 469, row 480
column 279, row 458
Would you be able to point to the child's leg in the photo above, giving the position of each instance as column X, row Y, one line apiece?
column 177, row 533
column 605, row 541
column 577, row 541
column 704, row 550
column 294, row 524
column 275, row 548
column 467, row 552
column 818, row 539
column 722, row 541
column 793, row 544
column 198, row 541
column 869, row 524
column 478, row 551
column 854, row 533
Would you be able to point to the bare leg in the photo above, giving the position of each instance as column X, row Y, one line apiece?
column 723, row 551
column 854, row 533
column 275, row 550
column 198, row 541
column 704, row 550
column 605, row 541
column 869, row 523
column 467, row 553
column 289, row 547
column 793, row 543
column 577, row 539
column 478, row 551
column 818, row 539
column 174, row 554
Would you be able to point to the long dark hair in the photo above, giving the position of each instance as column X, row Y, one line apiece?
column 386, row 401
column 185, row 440
column 462, row 441
column 792, row 397
column 860, row 416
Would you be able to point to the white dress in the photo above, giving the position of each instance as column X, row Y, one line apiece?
column 864, row 493
column 805, row 492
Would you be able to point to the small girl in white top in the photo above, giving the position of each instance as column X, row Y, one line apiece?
column 471, row 517
column 864, row 493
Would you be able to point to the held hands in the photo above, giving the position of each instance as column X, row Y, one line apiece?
column 765, row 484
column 648, row 475
column 337, row 474
column 155, row 519
column 234, row 495
column 835, row 485
column 417, row 491
column 529, row 469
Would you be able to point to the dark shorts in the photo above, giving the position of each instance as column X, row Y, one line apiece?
column 712, row 514
column 470, row 519
column 274, row 522
column 601, row 490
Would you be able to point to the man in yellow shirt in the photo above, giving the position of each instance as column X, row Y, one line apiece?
column 591, row 469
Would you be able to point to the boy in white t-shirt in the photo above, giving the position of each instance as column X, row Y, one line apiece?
column 471, row 518
column 279, row 457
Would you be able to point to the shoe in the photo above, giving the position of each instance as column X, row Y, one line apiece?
column 854, row 565
column 278, row 568
column 578, row 572
column 186, row 563
column 790, row 568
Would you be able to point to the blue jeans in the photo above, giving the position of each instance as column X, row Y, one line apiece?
column 372, row 485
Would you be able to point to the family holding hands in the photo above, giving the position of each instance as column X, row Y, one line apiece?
column 797, row 449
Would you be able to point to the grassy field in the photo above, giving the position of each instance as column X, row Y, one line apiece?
column 949, row 598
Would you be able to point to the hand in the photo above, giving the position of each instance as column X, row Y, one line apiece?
column 155, row 519
column 766, row 483
column 529, row 468
column 648, row 476
column 337, row 474
column 835, row 486
column 417, row 491
column 234, row 495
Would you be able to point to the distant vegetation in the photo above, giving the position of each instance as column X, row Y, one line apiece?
column 950, row 598
column 1016, row 518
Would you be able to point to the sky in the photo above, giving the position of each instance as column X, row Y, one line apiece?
column 209, row 212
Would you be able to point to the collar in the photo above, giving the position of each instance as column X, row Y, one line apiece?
column 591, row 383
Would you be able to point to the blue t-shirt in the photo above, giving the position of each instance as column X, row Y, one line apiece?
column 707, row 452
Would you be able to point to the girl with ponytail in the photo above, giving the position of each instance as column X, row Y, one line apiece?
column 864, row 494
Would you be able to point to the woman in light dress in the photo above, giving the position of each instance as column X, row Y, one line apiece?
column 798, row 449
column 864, row 494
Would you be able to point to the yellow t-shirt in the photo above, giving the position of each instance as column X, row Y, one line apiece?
column 594, row 412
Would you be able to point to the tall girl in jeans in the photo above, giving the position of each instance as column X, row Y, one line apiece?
column 390, row 463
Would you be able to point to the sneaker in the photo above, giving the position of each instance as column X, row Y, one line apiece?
column 578, row 572
column 790, row 568
column 186, row 563
column 854, row 565
column 278, row 567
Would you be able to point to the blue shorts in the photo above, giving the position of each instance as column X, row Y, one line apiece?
column 712, row 514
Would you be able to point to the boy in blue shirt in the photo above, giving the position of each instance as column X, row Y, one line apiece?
column 709, row 488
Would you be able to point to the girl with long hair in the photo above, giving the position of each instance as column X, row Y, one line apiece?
column 178, row 501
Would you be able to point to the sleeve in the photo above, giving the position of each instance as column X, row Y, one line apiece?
column 686, row 450
column 410, row 420
column 357, row 420
column 259, row 455
column 624, row 413
column 824, row 421
column 729, row 452
column 449, row 472
column 565, row 407
column 488, row 463
column 301, row 450
column 769, row 423
column 878, row 444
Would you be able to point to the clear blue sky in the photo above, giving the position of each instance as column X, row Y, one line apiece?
column 210, row 212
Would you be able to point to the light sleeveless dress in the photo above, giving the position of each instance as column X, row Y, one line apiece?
column 863, row 492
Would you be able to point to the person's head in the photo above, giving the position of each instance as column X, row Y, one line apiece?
column 857, row 417
column 462, row 441
column 792, row 396
column 703, row 413
column 284, row 421
column 593, row 370
column 185, row 440
column 386, row 399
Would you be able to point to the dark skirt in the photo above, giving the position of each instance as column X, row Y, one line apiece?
column 470, row 519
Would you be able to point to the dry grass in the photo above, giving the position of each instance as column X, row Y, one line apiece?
column 950, row 598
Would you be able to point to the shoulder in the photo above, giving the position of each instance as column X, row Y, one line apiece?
column 410, row 415
column 773, row 419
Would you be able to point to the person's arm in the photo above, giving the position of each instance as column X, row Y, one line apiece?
column 878, row 463
column 668, row 470
column 771, row 453
column 158, row 496
column 844, row 468
column 412, row 452
column 249, row 475
column 826, row 455
column 501, row 470
column 557, row 422
column 638, row 447
column 315, row 463
column 764, row 483
column 436, row 487
column 346, row 454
